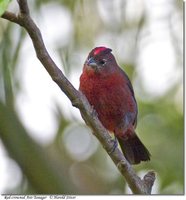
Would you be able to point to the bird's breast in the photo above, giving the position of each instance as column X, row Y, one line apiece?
column 110, row 97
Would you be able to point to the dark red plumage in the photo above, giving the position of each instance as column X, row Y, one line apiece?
column 109, row 90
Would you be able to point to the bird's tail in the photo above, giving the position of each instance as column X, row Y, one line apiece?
column 133, row 149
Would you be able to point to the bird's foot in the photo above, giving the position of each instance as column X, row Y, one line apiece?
column 115, row 144
column 93, row 112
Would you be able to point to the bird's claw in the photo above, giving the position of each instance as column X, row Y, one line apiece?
column 115, row 144
column 93, row 112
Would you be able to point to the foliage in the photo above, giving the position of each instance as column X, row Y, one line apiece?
column 3, row 5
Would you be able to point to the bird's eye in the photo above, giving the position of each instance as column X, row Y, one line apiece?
column 102, row 62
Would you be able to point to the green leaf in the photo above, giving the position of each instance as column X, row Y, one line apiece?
column 3, row 5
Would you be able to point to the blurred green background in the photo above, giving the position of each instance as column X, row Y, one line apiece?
column 45, row 146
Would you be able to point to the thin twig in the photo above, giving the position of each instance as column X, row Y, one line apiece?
column 137, row 185
column 11, row 17
column 23, row 6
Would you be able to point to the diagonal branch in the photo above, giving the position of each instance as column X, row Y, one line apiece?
column 137, row 185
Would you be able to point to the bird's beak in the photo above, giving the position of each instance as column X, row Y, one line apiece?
column 92, row 63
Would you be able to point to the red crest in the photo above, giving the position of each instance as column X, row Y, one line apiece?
column 97, row 50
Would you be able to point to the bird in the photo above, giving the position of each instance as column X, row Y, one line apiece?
column 110, row 92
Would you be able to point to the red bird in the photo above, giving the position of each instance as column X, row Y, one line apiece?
column 110, row 92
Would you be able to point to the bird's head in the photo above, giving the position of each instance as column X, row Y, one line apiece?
column 100, row 60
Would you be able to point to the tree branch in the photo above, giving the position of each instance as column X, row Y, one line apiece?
column 11, row 17
column 23, row 6
column 137, row 185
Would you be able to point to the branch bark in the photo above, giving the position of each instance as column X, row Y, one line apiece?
column 137, row 185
